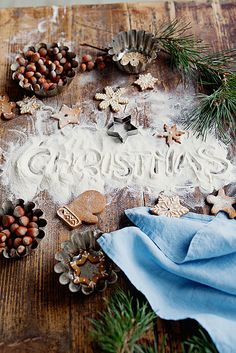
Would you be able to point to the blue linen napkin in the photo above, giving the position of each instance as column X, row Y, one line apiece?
column 185, row 267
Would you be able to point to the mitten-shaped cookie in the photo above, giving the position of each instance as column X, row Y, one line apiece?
column 83, row 209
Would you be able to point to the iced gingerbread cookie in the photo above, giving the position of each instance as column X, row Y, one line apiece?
column 83, row 209
column 222, row 202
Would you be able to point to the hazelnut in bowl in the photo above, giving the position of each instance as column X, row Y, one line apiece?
column 44, row 70
column 20, row 228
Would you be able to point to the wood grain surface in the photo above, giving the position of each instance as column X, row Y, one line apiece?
column 37, row 313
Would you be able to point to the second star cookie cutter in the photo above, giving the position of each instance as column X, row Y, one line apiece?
column 122, row 128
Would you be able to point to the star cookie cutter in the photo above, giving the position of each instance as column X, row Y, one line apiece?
column 122, row 128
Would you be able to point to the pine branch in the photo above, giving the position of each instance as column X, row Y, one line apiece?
column 215, row 112
column 191, row 56
column 123, row 323
column 201, row 343
column 119, row 328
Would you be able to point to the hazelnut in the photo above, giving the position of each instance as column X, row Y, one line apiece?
column 29, row 74
column 83, row 67
column 13, row 227
column 27, row 241
column 17, row 242
column 42, row 69
column 33, row 80
column 7, row 220
column 3, row 237
column 86, row 58
column 31, row 67
column 21, row 61
column 59, row 70
column 21, row 249
column 29, row 53
column 6, row 232
column 58, row 56
column 41, row 61
column 90, row 65
column 70, row 55
column 67, row 66
column 42, row 51
column 101, row 66
column 35, row 57
column 21, row 231
column 18, row 211
column 63, row 61
column 55, row 50
column 53, row 74
column 35, row 219
column 24, row 221
column 74, row 63
column 32, row 232
column 21, row 69
column 53, row 66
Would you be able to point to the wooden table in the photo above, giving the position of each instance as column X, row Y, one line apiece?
column 37, row 313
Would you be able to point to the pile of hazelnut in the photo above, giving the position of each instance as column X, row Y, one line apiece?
column 20, row 228
column 44, row 68
column 100, row 62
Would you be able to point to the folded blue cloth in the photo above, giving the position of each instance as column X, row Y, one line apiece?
column 185, row 267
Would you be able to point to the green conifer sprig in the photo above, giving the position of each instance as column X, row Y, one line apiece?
column 118, row 329
column 215, row 110
column 121, row 326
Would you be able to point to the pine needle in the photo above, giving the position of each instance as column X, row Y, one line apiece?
column 119, row 328
column 215, row 73
column 124, row 322
column 200, row 343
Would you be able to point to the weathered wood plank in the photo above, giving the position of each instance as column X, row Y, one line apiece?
column 37, row 313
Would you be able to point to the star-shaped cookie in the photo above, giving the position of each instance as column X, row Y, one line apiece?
column 222, row 202
column 29, row 105
column 111, row 98
column 171, row 134
column 6, row 108
column 67, row 116
column 89, row 269
column 169, row 206
column 146, row 81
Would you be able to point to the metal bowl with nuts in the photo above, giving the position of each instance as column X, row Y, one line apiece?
column 20, row 228
column 134, row 50
column 45, row 69
column 83, row 265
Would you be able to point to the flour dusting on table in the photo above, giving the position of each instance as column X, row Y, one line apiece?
column 69, row 161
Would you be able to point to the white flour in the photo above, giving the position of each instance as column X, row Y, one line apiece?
column 69, row 161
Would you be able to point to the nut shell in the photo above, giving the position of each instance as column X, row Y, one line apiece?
column 20, row 228
column 37, row 64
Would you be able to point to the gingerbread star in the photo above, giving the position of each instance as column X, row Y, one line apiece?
column 67, row 116
column 169, row 206
column 6, row 108
column 222, row 202
column 172, row 134
column 95, row 271
column 29, row 105
column 146, row 81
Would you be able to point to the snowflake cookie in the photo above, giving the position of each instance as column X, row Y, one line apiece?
column 111, row 98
